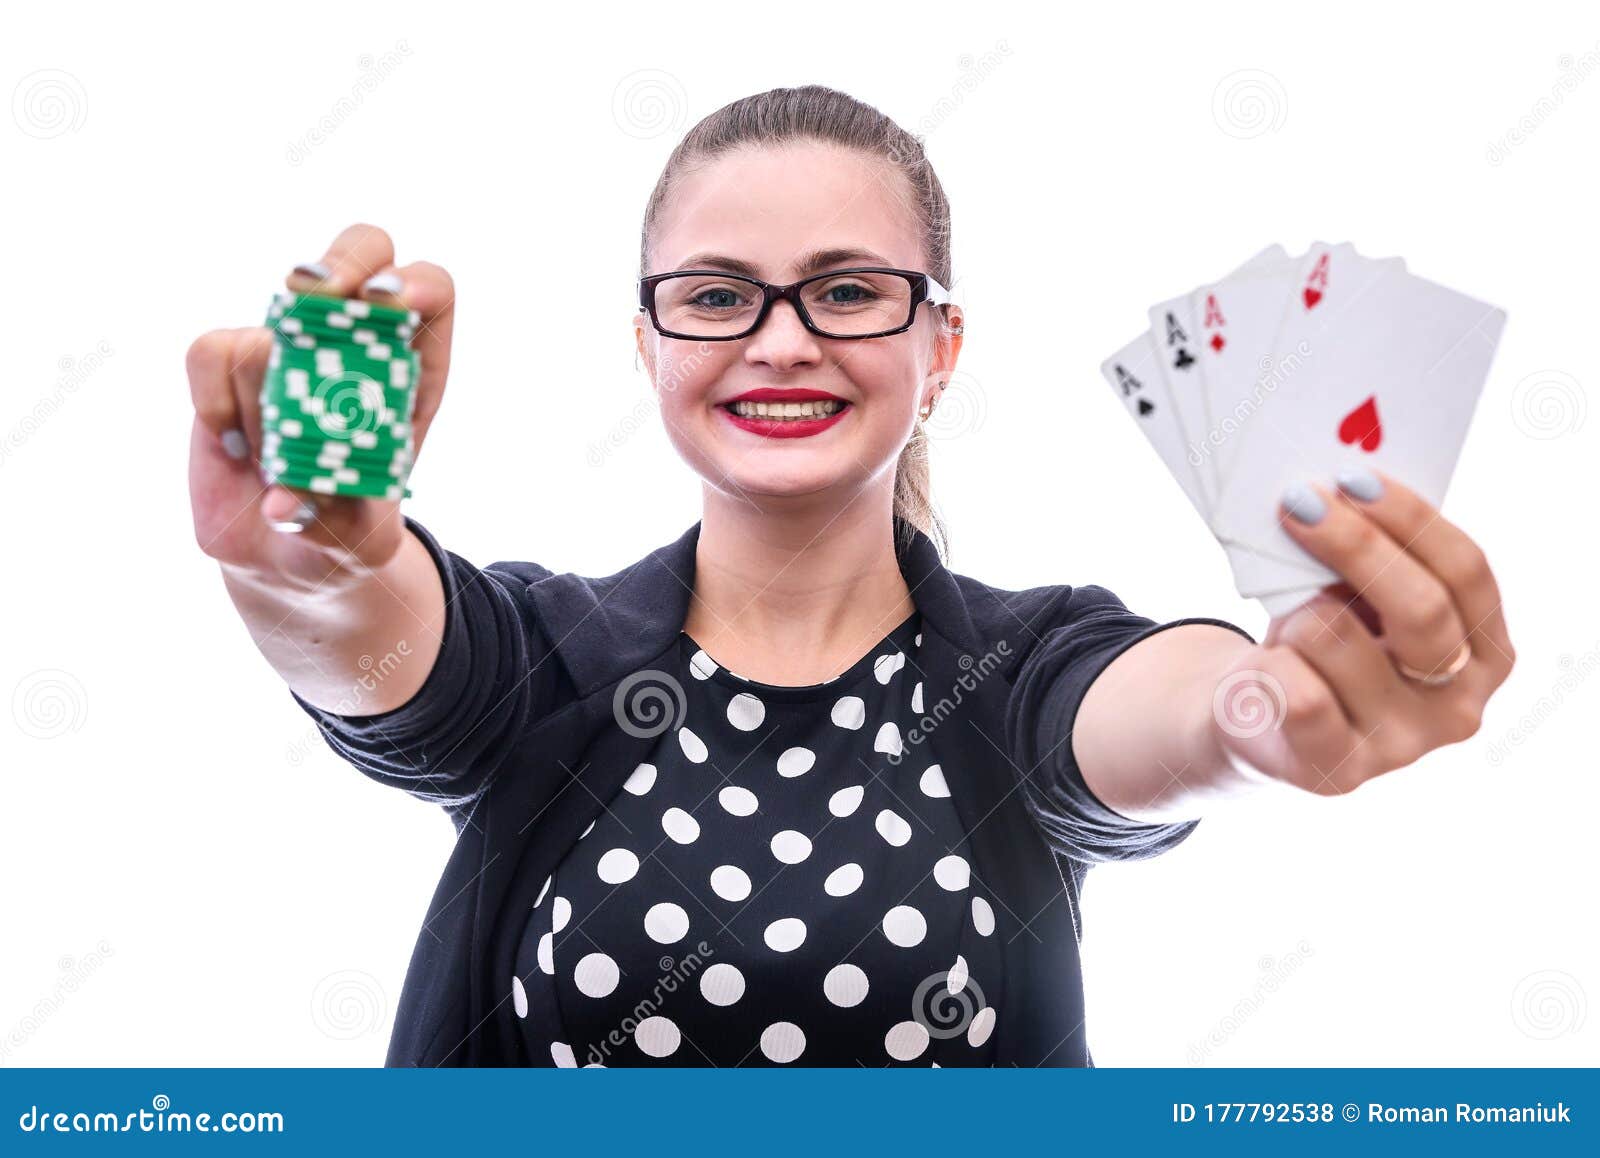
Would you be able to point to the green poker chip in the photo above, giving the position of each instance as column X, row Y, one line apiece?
column 338, row 396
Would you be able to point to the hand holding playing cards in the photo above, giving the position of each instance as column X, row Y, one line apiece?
column 1376, row 671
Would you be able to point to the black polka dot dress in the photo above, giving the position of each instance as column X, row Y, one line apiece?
column 785, row 881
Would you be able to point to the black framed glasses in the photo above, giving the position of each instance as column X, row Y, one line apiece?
column 708, row 305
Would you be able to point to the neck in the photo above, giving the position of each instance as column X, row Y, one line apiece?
column 795, row 591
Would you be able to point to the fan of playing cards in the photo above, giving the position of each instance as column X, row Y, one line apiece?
column 1291, row 369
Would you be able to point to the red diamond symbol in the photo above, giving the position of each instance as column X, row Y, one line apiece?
column 1217, row 342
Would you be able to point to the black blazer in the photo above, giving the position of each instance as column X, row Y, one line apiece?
column 513, row 734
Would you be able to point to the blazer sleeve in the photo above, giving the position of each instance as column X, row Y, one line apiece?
column 496, row 673
column 1050, row 685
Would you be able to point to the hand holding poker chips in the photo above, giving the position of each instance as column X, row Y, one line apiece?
column 1291, row 369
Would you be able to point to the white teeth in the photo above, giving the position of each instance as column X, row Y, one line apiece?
column 782, row 410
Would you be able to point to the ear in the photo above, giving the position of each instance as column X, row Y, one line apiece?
column 947, row 349
column 641, row 348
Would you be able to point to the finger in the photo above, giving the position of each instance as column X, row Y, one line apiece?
column 246, row 366
column 355, row 255
column 1330, row 636
column 1445, row 550
column 1421, row 625
column 210, row 386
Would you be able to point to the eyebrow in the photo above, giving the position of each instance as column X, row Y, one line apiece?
column 809, row 263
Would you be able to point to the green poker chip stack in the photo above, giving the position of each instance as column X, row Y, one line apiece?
column 338, row 397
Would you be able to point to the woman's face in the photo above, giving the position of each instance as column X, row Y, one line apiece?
column 774, row 208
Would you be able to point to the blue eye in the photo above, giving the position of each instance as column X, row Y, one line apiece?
column 726, row 299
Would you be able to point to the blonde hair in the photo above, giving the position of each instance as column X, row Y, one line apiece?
column 817, row 113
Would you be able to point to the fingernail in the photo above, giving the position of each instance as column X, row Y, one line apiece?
column 313, row 269
column 297, row 520
column 1360, row 483
column 1304, row 504
column 383, row 283
column 234, row 444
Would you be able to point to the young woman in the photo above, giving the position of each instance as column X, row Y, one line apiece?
column 787, row 790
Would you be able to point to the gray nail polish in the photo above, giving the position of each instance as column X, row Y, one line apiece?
column 1304, row 504
column 313, row 269
column 1359, row 483
column 297, row 520
column 383, row 283
column 234, row 444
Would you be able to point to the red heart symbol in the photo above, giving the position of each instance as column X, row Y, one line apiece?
column 1313, row 296
column 1362, row 425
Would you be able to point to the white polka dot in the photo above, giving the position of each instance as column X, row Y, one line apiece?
column 952, row 872
column 782, row 1041
column 722, row 984
column 561, row 1054
column 693, row 746
column 888, row 740
column 892, row 827
column 796, row 762
column 849, row 712
column 666, row 922
column 791, row 847
column 680, row 826
column 657, row 1036
column 746, row 712
column 919, row 639
column 560, row 914
column 641, row 780
column 587, row 829
column 904, row 926
column 843, row 880
column 701, row 665
column 846, row 800
column 845, row 985
column 519, row 997
column 739, row 801
column 885, row 666
column 546, row 954
column 933, row 783
column 542, row 891
column 982, row 916
column 982, row 1026
column 617, row 865
column 956, row 979
column 916, row 698
column 596, row 975
column 906, row 1040
column 602, row 1065
column 785, row 934
column 730, row 883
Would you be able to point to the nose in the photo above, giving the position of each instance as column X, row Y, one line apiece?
column 783, row 340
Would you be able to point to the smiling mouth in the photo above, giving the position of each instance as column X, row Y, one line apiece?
column 787, row 411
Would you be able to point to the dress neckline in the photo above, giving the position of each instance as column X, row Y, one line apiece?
column 901, row 639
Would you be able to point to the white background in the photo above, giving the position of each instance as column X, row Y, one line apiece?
column 190, row 877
